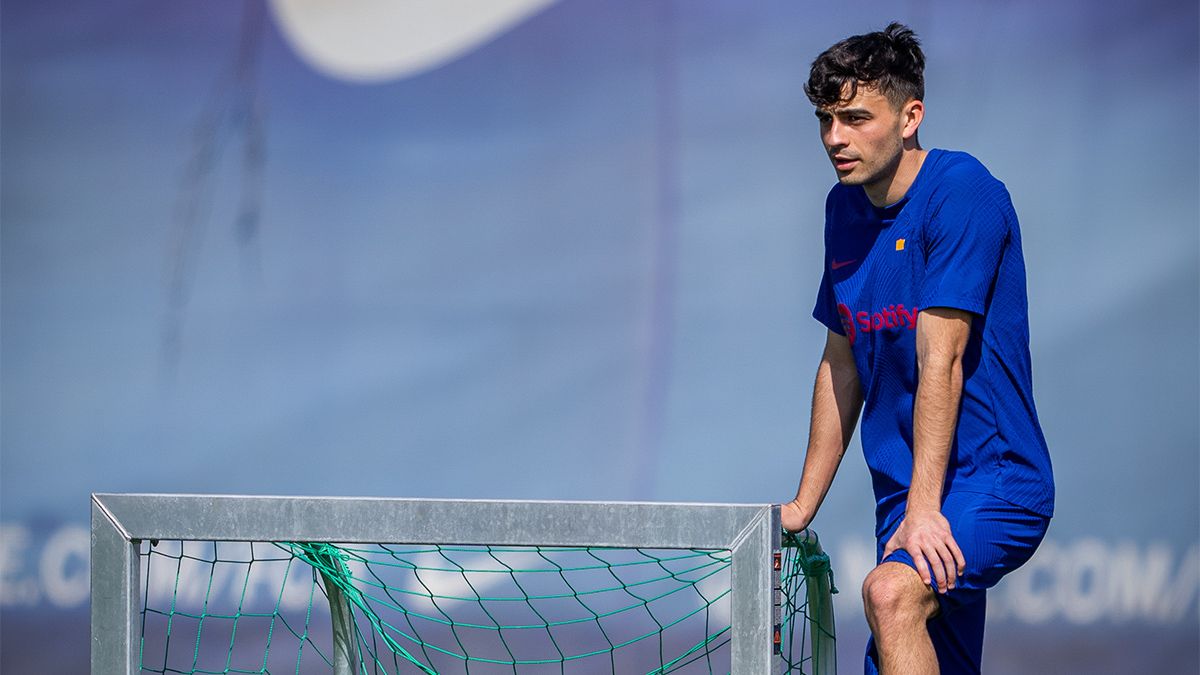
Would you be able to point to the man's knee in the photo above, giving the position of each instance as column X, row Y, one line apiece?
column 894, row 592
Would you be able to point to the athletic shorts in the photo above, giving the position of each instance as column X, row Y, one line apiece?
column 995, row 537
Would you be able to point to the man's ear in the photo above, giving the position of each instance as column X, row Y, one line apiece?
column 912, row 113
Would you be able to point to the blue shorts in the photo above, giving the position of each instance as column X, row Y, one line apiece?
column 996, row 537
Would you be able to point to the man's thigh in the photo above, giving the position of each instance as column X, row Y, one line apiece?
column 995, row 537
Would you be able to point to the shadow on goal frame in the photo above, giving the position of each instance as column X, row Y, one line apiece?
column 758, row 605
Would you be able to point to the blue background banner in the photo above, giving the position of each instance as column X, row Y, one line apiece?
column 567, row 250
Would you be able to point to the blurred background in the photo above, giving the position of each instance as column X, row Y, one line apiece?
column 542, row 249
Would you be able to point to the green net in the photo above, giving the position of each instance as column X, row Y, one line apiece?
column 806, row 582
column 230, row 607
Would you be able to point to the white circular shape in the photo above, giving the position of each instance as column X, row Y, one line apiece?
column 380, row 40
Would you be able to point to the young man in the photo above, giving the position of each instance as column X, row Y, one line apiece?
column 924, row 297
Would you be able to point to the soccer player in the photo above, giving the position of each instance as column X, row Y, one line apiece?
column 923, row 294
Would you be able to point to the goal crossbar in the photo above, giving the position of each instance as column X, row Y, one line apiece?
column 120, row 522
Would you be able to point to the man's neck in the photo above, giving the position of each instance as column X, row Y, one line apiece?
column 891, row 190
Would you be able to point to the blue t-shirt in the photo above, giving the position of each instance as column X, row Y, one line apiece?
column 953, row 241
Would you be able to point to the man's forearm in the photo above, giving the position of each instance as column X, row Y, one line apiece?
column 935, row 416
column 941, row 339
column 837, row 400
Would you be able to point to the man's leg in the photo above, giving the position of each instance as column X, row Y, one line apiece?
column 995, row 537
column 898, row 606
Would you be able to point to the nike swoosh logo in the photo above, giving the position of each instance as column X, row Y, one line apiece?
column 839, row 264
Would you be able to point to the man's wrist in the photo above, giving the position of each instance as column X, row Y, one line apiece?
column 805, row 515
column 922, row 505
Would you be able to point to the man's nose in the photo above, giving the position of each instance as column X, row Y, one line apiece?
column 835, row 134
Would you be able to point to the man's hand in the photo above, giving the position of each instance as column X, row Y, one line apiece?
column 792, row 518
column 925, row 535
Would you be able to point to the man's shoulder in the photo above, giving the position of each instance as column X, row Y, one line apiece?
column 959, row 175
column 954, row 167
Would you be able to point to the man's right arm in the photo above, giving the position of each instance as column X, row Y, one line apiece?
column 837, row 400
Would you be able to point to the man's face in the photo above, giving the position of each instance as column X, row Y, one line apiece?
column 863, row 137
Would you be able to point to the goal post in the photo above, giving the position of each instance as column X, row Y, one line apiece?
column 123, row 524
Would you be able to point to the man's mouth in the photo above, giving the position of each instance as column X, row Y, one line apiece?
column 843, row 163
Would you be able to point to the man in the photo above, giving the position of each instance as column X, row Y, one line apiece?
column 923, row 294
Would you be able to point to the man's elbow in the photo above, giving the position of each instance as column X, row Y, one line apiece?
column 939, row 361
column 942, row 335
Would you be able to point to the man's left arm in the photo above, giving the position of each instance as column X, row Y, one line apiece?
column 942, row 335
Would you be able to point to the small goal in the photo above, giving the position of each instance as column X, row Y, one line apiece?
column 235, row 584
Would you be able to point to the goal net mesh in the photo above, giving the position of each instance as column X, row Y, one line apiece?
column 286, row 607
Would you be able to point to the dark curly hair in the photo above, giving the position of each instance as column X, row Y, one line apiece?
column 890, row 60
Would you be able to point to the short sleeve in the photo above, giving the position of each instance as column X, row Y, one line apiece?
column 825, row 309
column 964, row 244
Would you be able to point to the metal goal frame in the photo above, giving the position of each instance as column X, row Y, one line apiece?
column 120, row 522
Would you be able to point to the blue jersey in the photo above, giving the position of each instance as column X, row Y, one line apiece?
column 953, row 241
